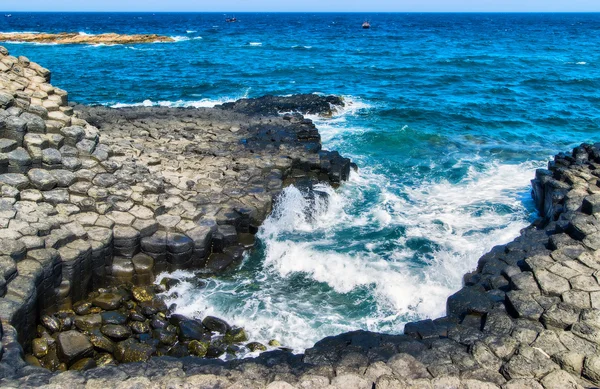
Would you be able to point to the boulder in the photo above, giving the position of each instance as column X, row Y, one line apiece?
column 215, row 324
column 191, row 330
column 73, row 345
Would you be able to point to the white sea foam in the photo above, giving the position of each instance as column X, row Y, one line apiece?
column 255, row 43
column 20, row 32
column 202, row 103
column 179, row 38
column 191, row 31
column 581, row 63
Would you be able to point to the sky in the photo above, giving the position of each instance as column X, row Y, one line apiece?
column 304, row 5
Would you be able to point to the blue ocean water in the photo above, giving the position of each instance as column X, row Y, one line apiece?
column 448, row 117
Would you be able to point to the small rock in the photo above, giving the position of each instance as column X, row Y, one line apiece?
column 83, row 364
column 39, row 347
column 108, row 301
column 115, row 331
column 255, row 346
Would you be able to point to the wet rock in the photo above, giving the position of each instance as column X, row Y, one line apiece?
column 197, row 348
column 272, row 105
column 83, row 364
column 113, row 317
column 51, row 323
column 236, row 335
column 39, row 347
column 169, row 283
column 139, row 327
column 468, row 300
column 165, row 337
column 143, row 294
column 117, row 332
column 73, row 345
column 191, row 330
column 215, row 324
column 88, row 322
column 255, row 346
column 216, row 348
column 132, row 351
column 102, row 342
column 82, row 307
column 108, row 301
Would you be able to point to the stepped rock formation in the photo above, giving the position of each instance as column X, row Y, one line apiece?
column 92, row 196
column 66, row 38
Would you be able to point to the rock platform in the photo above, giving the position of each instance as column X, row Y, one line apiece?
column 69, row 38
column 93, row 196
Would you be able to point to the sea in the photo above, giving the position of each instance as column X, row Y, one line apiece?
column 446, row 115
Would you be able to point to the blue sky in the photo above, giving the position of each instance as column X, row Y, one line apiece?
column 304, row 5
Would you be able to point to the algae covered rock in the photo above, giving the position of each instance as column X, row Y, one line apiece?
column 102, row 342
column 255, row 346
column 274, row 343
column 236, row 335
column 143, row 294
column 198, row 348
column 131, row 350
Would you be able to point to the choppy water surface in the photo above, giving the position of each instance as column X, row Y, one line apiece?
column 448, row 117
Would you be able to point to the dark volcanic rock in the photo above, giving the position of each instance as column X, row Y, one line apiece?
column 132, row 351
column 115, row 331
column 215, row 324
column 273, row 105
column 73, row 345
column 191, row 330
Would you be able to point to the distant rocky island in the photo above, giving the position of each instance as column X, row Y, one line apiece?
column 66, row 38
column 95, row 202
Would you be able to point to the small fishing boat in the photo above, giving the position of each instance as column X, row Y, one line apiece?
column 8, row 16
column 366, row 25
column 231, row 20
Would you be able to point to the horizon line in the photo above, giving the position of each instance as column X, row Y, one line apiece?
column 320, row 12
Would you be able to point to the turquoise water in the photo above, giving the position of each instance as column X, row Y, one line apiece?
column 448, row 116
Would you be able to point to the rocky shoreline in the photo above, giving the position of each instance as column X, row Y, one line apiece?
column 94, row 197
column 70, row 38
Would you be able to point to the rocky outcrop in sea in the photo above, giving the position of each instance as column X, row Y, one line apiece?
column 68, row 38
column 96, row 201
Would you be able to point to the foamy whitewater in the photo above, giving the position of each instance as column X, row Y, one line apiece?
column 446, row 115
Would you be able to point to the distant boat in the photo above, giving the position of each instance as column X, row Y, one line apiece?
column 231, row 20
column 8, row 16
column 366, row 25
